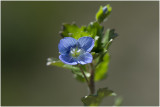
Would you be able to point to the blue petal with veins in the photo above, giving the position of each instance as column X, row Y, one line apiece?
column 76, row 51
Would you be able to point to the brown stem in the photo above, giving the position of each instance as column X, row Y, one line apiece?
column 92, row 84
column 81, row 69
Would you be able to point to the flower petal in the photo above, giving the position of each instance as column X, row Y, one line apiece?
column 65, row 45
column 67, row 59
column 86, row 43
column 85, row 58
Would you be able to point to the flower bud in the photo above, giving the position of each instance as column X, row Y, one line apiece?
column 104, row 9
column 103, row 13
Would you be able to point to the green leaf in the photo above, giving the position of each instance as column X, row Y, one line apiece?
column 108, row 37
column 101, row 15
column 95, row 100
column 58, row 63
column 72, row 30
column 96, row 31
column 110, row 34
column 102, row 67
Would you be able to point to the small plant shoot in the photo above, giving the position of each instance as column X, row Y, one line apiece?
column 84, row 51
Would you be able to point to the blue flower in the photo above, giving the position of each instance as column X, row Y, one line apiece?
column 76, row 51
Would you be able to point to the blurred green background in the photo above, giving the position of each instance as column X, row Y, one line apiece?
column 30, row 35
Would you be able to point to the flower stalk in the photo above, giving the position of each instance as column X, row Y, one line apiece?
column 81, row 69
column 92, row 83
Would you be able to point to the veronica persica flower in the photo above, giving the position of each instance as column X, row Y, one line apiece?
column 76, row 51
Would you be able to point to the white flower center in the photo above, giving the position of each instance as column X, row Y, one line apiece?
column 75, row 52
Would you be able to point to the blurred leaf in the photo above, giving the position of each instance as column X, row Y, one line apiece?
column 102, row 67
column 58, row 63
column 95, row 100
column 118, row 101
column 103, row 13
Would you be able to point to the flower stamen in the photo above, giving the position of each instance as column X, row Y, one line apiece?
column 75, row 52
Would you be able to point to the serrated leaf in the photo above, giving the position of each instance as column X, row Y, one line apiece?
column 101, row 14
column 102, row 68
column 58, row 63
column 95, row 100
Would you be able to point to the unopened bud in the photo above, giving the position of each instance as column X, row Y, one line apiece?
column 104, row 9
